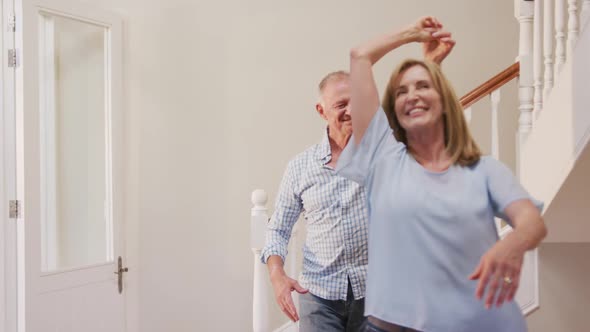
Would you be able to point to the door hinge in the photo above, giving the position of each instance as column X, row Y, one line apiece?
column 12, row 23
column 12, row 58
column 14, row 209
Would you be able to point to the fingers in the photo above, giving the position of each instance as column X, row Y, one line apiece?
column 509, row 286
column 441, row 35
column 494, row 287
column 512, row 291
column 288, row 307
column 494, row 284
column 484, row 278
column 506, row 286
column 498, row 284
column 477, row 272
column 498, row 272
column 297, row 287
column 450, row 43
column 283, row 286
column 430, row 21
column 436, row 22
column 446, row 48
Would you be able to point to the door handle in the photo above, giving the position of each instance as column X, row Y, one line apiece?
column 119, row 273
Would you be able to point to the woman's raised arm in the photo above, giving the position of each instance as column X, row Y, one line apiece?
column 364, row 101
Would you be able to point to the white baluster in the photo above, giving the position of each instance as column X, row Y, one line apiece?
column 495, row 101
column 548, row 24
column 524, row 14
column 538, row 58
column 573, row 26
column 258, row 221
column 559, row 35
column 585, row 12
column 495, row 98
column 467, row 113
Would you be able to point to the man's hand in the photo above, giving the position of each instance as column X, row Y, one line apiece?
column 283, row 286
column 437, row 49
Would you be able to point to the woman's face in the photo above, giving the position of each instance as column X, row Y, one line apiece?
column 417, row 103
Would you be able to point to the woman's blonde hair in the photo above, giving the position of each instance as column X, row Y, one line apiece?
column 459, row 144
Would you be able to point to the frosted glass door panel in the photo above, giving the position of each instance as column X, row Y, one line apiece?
column 75, row 156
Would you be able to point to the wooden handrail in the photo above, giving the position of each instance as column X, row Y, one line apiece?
column 491, row 85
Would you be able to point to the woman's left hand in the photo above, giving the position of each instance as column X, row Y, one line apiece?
column 437, row 49
column 498, row 272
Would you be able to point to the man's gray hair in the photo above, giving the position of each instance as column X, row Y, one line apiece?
column 335, row 75
column 340, row 74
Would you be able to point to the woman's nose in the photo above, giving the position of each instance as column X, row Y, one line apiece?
column 412, row 95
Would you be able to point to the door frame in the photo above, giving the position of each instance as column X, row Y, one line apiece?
column 11, row 265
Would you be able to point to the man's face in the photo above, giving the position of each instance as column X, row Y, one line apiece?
column 334, row 106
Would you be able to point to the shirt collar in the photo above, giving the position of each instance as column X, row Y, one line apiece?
column 324, row 151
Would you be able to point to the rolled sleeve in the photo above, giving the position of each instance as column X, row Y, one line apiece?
column 288, row 207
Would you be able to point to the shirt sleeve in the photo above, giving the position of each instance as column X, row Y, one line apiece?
column 504, row 188
column 288, row 207
column 357, row 161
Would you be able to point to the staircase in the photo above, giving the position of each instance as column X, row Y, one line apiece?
column 552, row 159
column 555, row 158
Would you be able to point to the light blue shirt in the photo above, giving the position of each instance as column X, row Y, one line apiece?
column 335, row 248
column 427, row 233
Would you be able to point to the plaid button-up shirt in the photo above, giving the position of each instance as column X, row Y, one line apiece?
column 334, row 208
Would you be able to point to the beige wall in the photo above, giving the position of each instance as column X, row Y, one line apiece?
column 219, row 96
column 564, row 292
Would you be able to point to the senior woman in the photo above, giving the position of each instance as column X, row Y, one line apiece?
column 434, row 253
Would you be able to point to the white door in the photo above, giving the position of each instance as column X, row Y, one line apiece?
column 70, row 181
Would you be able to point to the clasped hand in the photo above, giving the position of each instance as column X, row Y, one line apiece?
column 436, row 42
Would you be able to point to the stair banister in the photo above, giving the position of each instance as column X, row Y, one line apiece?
column 490, row 85
column 524, row 15
column 585, row 12
column 560, row 35
column 548, row 47
column 537, row 59
column 573, row 26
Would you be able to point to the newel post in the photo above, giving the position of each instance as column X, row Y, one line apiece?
column 258, row 221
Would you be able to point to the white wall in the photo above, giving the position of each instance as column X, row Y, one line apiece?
column 219, row 96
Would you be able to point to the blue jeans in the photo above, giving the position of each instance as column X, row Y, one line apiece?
column 320, row 315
